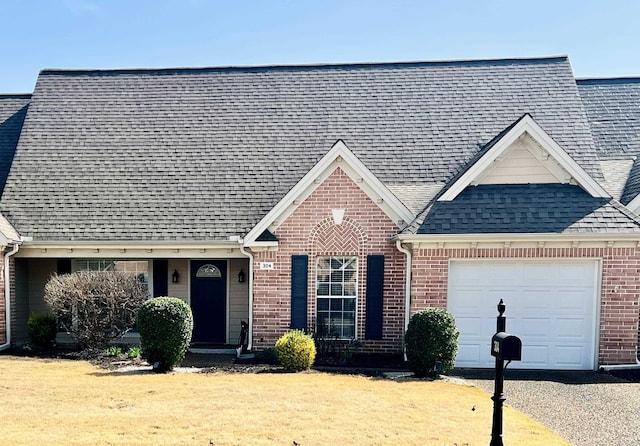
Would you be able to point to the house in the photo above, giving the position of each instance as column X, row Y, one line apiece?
column 340, row 198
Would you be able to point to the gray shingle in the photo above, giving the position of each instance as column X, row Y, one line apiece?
column 13, row 108
column 201, row 154
column 527, row 208
column 613, row 110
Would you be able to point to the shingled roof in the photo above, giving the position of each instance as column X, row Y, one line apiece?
column 529, row 209
column 202, row 154
column 613, row 110
column 13, row 108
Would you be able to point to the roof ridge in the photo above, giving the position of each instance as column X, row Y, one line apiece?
column 302, row 67
column 606, row 80
column 15, row 95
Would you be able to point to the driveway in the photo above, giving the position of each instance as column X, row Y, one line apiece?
column 586, row 408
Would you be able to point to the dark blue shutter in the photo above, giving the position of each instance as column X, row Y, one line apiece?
column 299, row 273
column 160, row 277
column 374, row 296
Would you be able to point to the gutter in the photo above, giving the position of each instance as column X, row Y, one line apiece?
column 250, row 274
column 407, row 290
column 7, row 294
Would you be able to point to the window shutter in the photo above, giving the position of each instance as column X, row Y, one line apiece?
column 374, row 293
column 299, row 281
column 160, row 277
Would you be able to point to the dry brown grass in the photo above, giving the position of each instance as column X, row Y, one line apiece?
column 53, row 402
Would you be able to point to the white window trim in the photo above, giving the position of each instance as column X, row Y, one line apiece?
column 355, row 297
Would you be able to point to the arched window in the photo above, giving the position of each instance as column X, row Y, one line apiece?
column 208, row 270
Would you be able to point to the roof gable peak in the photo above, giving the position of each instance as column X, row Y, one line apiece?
column 338, row 157
column 526, row 137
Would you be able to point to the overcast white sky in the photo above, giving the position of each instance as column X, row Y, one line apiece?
column 602, row 38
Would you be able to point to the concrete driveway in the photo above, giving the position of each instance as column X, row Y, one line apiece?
column 586, row 408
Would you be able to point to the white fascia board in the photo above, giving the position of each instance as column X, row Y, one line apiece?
column 131, row 250
column 528, row 125
column 130, row 245
column 338, row 156
column 634, row 205
column 513, row 237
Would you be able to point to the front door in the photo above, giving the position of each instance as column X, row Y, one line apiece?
column 209, row 301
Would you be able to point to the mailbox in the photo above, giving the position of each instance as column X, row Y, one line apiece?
column 506, row 346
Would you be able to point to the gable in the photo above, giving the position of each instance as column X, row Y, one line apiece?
column 523, row 146
column 338, row 160
column 524, row 162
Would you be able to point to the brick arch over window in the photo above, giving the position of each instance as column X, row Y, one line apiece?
column 327, row 238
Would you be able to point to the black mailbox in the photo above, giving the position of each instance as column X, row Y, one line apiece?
column 506, row 346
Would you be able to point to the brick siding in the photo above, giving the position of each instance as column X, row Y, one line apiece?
column 310, row 230
column 618, row 336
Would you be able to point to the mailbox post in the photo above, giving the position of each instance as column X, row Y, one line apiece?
column 505, row 347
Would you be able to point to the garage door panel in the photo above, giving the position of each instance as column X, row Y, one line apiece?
column 578, row 274
column 533, row 327
column 495, row 293
column 571, row 328
column 469, row 300
column 469, row 326
column 537, row 273
column 533, row 356
column 504, row 273
column 573, row 300
column 551, row 306
column 569, row 356
column 533, row 300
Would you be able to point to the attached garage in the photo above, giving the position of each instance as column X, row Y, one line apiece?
column 551, row 306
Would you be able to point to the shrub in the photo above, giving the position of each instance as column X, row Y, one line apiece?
column 133, row 353
column 295, row 351
column 113, row 351
column 431, row 336
column 95, row 307
column 165, row 325
column 42, row 329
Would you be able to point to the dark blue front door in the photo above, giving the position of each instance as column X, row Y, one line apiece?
column 209, row 300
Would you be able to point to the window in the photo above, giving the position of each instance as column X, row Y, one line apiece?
column 336, row 293
column 139, row 268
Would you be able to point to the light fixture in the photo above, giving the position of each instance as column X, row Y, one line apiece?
column 241, row 276
column 175, row 277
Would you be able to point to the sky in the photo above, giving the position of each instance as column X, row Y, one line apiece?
column 601, row 38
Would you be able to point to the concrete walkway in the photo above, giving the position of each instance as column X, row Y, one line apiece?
column 586, row 408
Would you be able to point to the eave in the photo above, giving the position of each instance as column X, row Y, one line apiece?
column 133, row 249
column 524, row 240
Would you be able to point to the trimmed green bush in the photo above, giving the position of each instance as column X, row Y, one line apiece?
column 42, row 329
column 431, row 337
column 165, row 325
column 296, row 351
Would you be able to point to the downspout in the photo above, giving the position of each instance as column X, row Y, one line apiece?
column 250, row 274
column 7, row 294
column 407, row 291
column 606, row 368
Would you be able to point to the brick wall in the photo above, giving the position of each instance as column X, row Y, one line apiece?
column 310, row 230
column 618, row 336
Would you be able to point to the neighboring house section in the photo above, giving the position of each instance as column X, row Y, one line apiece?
column 13, row 108
column 613, row 111
column 338, row 199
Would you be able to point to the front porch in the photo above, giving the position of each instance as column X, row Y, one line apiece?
column 216, row 289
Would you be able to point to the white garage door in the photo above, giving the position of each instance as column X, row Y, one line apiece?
column 551, row 306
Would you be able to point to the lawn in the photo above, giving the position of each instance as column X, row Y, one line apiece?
column 62, row 402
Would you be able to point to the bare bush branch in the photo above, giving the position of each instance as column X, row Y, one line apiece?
column 95, row 307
